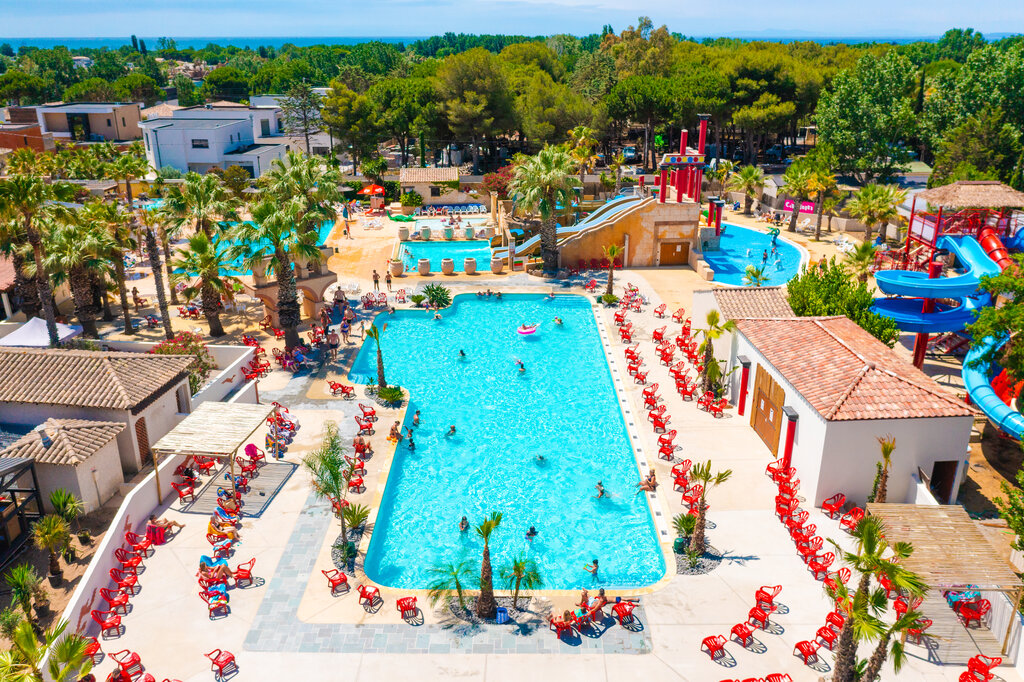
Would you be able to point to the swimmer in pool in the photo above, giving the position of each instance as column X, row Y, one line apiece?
column 531, row 534
column 600, row 490
column 451, row 430
column 558, row 320
column 463, row 525
column 462, row 354
column 416, row 418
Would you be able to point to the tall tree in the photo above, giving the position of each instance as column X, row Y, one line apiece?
column 73, row 250
column 300, row 109
column 544, row 181
column 750, row 181
column 201, row 201
column 350, row 118
column 402, row 107
column 876, row 205
column 154, row 222
column 202, row 266
column 646, row 100
column 486, row 606
column 118, row 224
column 798, row 179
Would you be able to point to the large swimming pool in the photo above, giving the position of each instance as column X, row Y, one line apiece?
column 741, row 246
column 436, row 251
column 563, row 408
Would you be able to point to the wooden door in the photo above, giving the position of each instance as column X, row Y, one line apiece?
column 766, row 415
column 674, row 253
column 142, row 436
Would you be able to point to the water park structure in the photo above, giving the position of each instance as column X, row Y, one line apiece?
column 973, row 224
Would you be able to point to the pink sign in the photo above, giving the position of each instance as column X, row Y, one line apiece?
column 805, row 206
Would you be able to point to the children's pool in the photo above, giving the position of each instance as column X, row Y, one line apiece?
column 741, row 246
column 237, row 268
column 457, row 250
column 563, row 407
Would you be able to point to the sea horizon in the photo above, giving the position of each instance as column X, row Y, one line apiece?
column 198, row 42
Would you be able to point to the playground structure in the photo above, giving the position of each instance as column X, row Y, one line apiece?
column 975, row 223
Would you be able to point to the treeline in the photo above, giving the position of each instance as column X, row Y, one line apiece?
column 879, row 105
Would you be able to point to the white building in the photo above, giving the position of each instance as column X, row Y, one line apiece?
column 200, row 143
column 820, row 391
column 266, row 118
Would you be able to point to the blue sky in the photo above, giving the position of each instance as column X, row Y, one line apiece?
column 95, row 18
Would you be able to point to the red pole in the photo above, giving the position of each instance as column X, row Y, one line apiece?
column 787, row 457
column 910, row 225
column 744, row 379
column 718, row 217
column 921, row 340
column 664, row 186
column 682, row 141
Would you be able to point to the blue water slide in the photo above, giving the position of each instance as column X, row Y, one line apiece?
column 968, row 252
column 906, row 312
column 604, row 212
column 979, row 387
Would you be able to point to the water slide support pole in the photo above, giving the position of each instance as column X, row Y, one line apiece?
column 921, row 340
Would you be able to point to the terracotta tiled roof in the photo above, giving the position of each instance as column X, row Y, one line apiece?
column 6, row 273
column 847, row 374
column 157, row 110
column 111, row 380
column 447, row 174
column 752, row 302
column 64, row 441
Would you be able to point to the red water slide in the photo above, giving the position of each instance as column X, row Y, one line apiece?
column 994, row 248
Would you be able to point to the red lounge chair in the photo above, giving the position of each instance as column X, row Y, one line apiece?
column 640, row 377
column 796, row 521
column 677, row 316
column 742, row 632
column 820, row 565
column 807, row 651
column 125, row 581
column 342, row 389
column 982, row 665
column 250, row 375
column 827, row 636
column 220, row 660
column 974, row 611
column 624, row 611
column 666, row 452
column 681, row 468
column 633, row 351
column 917, row 632
column 108, row 620
column 407, row 607
column 851, row 518
column 765, row 597
column 757, row 616
column 138, row 543
column 254, row 454
column 781, row 474
column 692, row 496
column 365, row 427
column 128, row 661
column 790, row 488
column 835, row 620
column 278, row 333
column 369, row 413
column 659, row 334
column 833, row 505
column 715, row 645
column 840, row 576
column 92, row 649
column 248, row 468
column 687, row 391
column 785, row 509
column 667, row 438
column 716, row 407
column 368, row 594
column 358, row 466
column 243, row 572
column 115, row 599
column 356, row 483
column 810, row 549
column 559, row 627
column 625, row 335
column 803, row 535
column 185, row 492
column 660, row 310
column 336, row 579
column 591, row 285
column 215, row 601
column 660, row 424
column 127, row 559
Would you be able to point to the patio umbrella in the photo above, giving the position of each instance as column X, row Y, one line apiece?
column 371, row 189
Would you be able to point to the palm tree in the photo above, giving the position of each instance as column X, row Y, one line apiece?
column 14, row 245
column 151, row 223
column 23, row 581
column 201, row 201
column 117, row 222
column 486, row 607
column 327, row 468
column 858, row 263
column 33, row 198
column 544, row 181
column 581, row 147
column 611, row 252
column 616, row 163
column 891, row 634
column 125, row 167
column 756, row 276
column 829, row 206
column 374, row 333
column 449, row 578
column 66, row 505
column 750, row 181
column 867, row 561
column 205, row 261
column 67, row 659
column 798, row 187
column 720, row 173
column 521, row 574
column 876, row 204
column 73, row 254
column 309, row 181
column 701, row 473
column 887, row 445
column 821, row 184
column 51, row 533
column 271, row 240
column 715, row 330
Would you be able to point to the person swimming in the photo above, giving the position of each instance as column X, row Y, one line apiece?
column 600, row 490
column 462, row 353
column 451, row 430
column 463, row 525
column 591, row 568
column 558, row 320
column 415, row 419
column 531, row 534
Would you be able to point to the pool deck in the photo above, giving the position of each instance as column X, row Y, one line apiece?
column 288, row 627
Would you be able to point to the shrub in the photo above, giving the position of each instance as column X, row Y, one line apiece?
column 391, row 394
column 9, row 619
column 417, row 299
column 22, row 579
column 187, row 343
column 438, row 295
column 411, row 198
column 610, row 299
column 170, row 173
column 498, row 181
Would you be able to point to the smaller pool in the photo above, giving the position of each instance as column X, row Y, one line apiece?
column 439, row 223
column 237, row 268
column 151, row 205
column 437, row 251
column 742, row 246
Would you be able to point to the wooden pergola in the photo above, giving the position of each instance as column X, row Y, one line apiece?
column 214, row 430
column 949, row 550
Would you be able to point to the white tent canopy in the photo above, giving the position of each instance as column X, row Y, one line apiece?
column 33, row 333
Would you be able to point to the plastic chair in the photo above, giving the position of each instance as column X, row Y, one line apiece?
column 127, row 559
column 220, row 660
column 108, row 620
column 974, row 612
column 742, row 632
column 127, row 661
column 139, row 543
column 624, row 611
column 124, row 580
column 243, row 573
column 115, row 599
column 336, row 579
column 833, row 505
column 368, row 594
column 715, row 645
column 807, row 650
column 765, row 596
column 407, row 607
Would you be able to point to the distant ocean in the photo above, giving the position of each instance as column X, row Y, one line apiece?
column 197, row 42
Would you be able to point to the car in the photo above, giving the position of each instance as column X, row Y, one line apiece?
column 629, row 153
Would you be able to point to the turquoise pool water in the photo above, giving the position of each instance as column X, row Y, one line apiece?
column 741, row 246
column 237, row 269
column 563, row 407
column 457, row 250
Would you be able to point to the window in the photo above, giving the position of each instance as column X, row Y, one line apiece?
column 108, row 122
column 200, row 144
column 122, row 121
column 435, row 191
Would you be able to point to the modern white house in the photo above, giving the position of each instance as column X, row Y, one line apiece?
column 820, row 391
column 266, row 118
column 200, row 143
